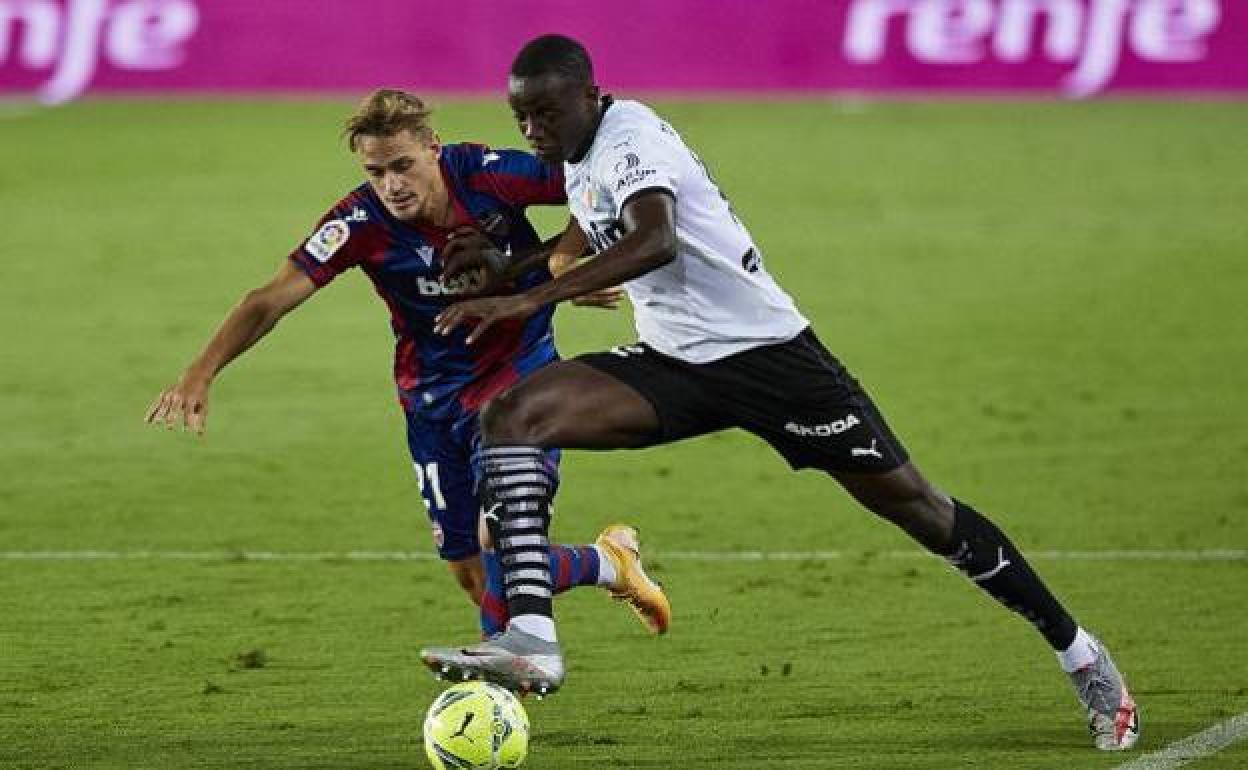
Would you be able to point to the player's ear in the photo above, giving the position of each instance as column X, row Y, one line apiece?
column 435, row 144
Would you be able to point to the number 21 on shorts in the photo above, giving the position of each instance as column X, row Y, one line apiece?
column 430, row 485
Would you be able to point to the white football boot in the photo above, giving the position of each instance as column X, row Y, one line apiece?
column 1113, row 718
column 516, row 660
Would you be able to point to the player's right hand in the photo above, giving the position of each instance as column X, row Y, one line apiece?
column 185, row 402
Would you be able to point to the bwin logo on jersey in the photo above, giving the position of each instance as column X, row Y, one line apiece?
column 827, row 429
column 464, row 284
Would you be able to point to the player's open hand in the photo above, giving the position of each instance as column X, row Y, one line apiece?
column 483, row 313
column 469, row 256
column 185, row 403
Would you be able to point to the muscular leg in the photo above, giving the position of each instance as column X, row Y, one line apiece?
column 984, row 554
column 569, row 405
column 905, row 498
column 470, row 574
column 971, row 542
column 565, row 405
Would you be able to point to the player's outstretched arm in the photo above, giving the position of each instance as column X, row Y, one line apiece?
column 649, row 243
column 186, row 401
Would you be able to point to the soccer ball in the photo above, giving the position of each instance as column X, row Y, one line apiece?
column 476, row 726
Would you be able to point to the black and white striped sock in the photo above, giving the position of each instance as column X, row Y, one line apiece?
column 519, row 487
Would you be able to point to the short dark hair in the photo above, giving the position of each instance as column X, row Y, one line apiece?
column 554, row 55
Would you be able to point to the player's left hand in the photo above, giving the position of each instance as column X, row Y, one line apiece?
column 184, row 402
column 468, row 251
column 482, row 314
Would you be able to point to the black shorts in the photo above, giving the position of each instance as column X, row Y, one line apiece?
column 794, row 395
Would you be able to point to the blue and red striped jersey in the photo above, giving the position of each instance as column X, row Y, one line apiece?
column 443, row 377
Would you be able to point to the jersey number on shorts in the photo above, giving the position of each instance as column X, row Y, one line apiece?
column 430, row 485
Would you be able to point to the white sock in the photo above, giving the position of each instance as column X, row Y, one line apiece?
column 1081, row 652
column 606, row 568
column 535, row 625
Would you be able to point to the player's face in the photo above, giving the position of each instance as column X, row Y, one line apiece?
column 555, row 114
column 403, row 170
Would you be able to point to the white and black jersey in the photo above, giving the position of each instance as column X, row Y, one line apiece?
column 715, row 298
column 721, row 344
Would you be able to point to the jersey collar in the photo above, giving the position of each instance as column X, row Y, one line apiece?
column 583, row 150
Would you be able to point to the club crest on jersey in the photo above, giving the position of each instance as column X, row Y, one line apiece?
column 629, row 162
column 325, row 242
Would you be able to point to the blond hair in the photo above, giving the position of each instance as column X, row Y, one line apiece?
column 386, row 112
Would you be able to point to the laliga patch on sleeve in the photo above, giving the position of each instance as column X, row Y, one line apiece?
column 326, row 241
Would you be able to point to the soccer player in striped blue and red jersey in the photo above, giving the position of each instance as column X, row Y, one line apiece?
column 420, row 195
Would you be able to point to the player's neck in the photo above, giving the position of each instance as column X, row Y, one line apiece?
column 440, row 215
column 445, row 210
column 603, row 105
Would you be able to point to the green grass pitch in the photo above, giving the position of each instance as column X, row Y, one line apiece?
column 1046, row 299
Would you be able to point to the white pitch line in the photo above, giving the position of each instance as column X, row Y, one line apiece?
column 1200, row 555
column 1193, row 747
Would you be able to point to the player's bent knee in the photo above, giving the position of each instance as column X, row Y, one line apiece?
column 513, row 418
column 500, row 418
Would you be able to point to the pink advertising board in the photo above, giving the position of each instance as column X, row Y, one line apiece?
column 57, row 50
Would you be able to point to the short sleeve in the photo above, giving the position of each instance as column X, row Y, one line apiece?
column 637, row 164
column 518, row 178
column 341, row 240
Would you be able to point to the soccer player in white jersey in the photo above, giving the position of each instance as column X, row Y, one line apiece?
column 721, row 345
